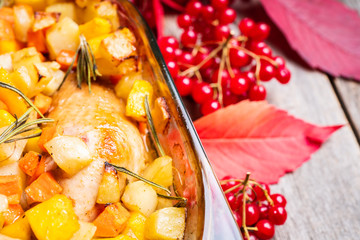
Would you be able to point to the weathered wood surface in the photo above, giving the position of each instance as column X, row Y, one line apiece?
column 324, row 193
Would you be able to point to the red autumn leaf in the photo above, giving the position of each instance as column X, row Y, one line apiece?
column 256, row 137
column 324, row 32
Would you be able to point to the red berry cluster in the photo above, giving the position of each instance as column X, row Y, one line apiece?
column 215, row 67
column 255, row 209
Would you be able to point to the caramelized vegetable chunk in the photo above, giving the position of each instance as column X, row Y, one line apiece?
column 53, row 219
column 29, row 162
column 135, row 226
column 160, row 171
column 96, row 27
column 43, row 188
column 111, row 221
column 5, row 118
column 42, row 102
column 19, row 229
column 109, row 189
column 10, row 186
column 13, row 213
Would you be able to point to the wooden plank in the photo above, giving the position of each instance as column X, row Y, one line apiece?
column 323, row 195
column 349, row 91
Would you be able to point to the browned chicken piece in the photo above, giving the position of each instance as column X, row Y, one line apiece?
column 97, row 118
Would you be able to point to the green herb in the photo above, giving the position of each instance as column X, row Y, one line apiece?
column 86, row 67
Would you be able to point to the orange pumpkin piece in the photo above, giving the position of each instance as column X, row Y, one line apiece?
column 29, row 162
column 37, row 40
column 10, row 186
column 42, row 102
column 13, row 213
column 111, row 221
column 43, row 188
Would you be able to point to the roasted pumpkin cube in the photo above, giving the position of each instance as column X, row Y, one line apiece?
column 8, row 46
column 62, row 35
column 111, row 221
column 42, row 102
column 43, row 188
column 53, row 219
column 12, row 214
column 19, row 229
column 5, row 118
column 135, row 226
column 44, row 20
column 33, row 143
column 70, row 153
column 11, row 187
column 123, row 87
column 134, row 197
column 103, row 9
column 166, row 224
column 23, row 20
column 109, row 189
column 21, row 79
column 37, row 5
column 96, row 27
column 160, row 171
column 135, row 105
column 86, row 232
column 94, row 44
column 108, row 67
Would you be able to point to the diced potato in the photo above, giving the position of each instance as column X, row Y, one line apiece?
column 140, row 196
column 66, row 10
column 62, row 35
column 135, row 106
column 54, row 83
column 123, row 87
column 104, row 9
column 111, row 221
column 161, row 115
column 27, row 57
column 94, row 28
column 160, row 171
column 109, row 189
column 6, row 62
column 86, row 232
column 70, row 153
column 108, row 67
column 37, row 5
column 21, row 79
column 166, row 224
column 45, row 20
column 94, row 44
column 53, row 219
column 23, row 20
column 135, row 226
column 19, row 229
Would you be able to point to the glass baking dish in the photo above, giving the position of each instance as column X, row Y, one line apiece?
column 208, row 214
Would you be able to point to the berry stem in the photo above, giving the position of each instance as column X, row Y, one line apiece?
column 246, row 181
column 233, row 188
column 268, row 198
column 252, row 228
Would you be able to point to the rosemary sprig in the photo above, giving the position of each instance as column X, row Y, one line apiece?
column 182, row 201
column 86, row 67
column 154, row 136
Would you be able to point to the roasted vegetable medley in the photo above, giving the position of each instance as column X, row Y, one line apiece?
column 80, row 156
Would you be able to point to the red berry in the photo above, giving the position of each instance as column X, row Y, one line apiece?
column 202, row 92
column 184, row 85
column 239, row 84
column 234, row 201
column 184, row 21
column 225, row 77
column 201, row 57
column 188, row 38
column 279, row 200
column 229, row 98
column 252, row 236
column 251, row 76
column 280, row 61
column 246, row 26
column 222, row 32
column 173, row 68
column 168, row 53
column 193, row 8
column 283, row 75
column 238, row 218
column 266, row 229
column 257, row 92
column 227, row 16
column 229, row 184
column 260, row 32
column 208, row 13
column 238, row 58
column 260, row 48
column 264, row 212
column 267, row 72
column 252, row 213
column 178, row 53
column 260, row 196
column 219, row 4
column 209, row 106
column 277, row 215
column 168, row 42
column 185, row 60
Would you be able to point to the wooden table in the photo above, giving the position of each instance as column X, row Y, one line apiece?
column 324, row 193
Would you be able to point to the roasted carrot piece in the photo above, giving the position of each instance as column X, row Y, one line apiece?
column 7, row 14
column 46, row 135
column 40, row 169
column 10, row 186
column 29, row 162
column 42, row 102
column 37, row 40
column 43, row 188
column 111, row 221
column 6, row 30
column 13, row 213
column 65, row 59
